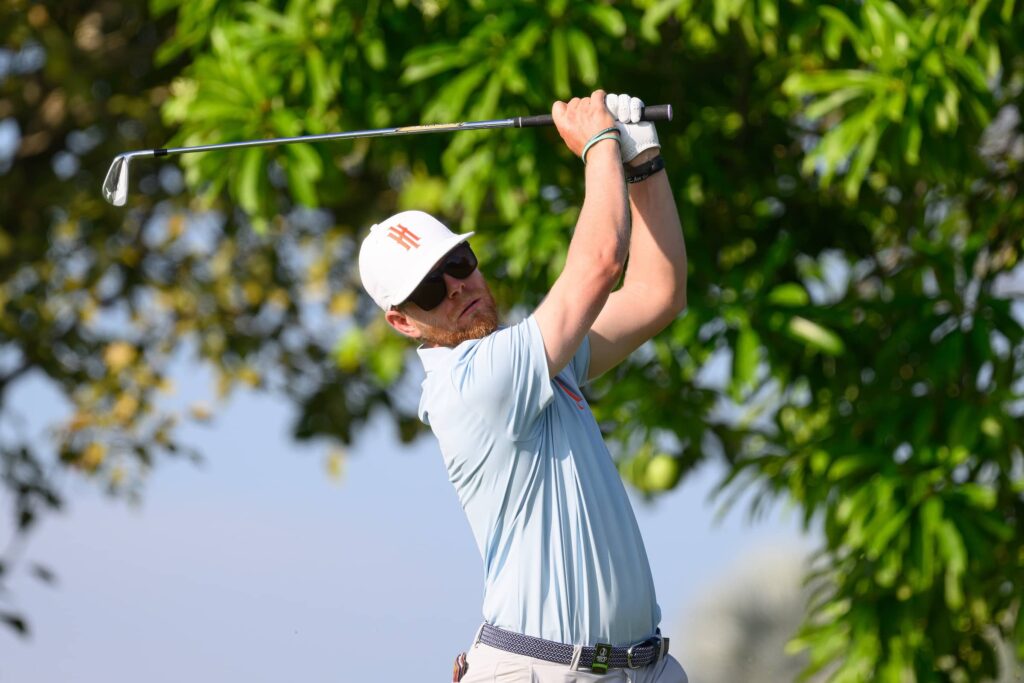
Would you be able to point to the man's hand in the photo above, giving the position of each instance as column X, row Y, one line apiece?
column 636, row 136
column 581, row 119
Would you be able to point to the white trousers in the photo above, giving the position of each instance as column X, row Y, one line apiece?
column 487, row 664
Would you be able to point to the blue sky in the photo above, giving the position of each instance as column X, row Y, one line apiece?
column 257, row 566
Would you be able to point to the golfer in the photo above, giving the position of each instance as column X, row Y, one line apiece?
column 568, row 592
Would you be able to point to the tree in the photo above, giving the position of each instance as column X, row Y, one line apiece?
column 848, row 177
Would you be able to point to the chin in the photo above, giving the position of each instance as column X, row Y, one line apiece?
column 483, row 323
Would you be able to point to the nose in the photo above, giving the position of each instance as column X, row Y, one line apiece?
column 453, row 284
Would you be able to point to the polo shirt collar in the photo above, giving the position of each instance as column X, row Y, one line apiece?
column 433, row 357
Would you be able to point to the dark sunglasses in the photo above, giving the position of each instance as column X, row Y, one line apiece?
column 460, row 263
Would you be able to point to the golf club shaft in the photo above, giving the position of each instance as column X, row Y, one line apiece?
column 659, row 112
column 115, row 184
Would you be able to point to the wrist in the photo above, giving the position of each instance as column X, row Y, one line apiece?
column 602, row 152
column 610, row 133
column 637, row 174
column 643, row 157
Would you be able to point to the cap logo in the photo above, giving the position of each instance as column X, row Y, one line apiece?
column 404, row 236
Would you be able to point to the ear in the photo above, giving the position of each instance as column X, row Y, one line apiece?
column 402, row 323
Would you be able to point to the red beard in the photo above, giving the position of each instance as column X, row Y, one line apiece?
column 484, row 320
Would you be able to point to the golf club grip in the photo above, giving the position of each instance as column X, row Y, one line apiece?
column 653, row 112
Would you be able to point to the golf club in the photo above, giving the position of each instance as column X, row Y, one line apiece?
column 115, row 185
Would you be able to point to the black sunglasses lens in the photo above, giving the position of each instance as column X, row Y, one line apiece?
column 429, row 294
column 459, row 263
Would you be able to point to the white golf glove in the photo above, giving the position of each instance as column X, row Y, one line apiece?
column 635, row 135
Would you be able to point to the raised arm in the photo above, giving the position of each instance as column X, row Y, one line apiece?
column 653, row 292
column 599, row 244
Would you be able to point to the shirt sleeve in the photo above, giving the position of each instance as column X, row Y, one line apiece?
column 504, row 378
column 580, row 362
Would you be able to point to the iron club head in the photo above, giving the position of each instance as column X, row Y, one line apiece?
column 115, row 185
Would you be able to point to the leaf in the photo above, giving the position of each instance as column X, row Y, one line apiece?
column 420, row 69
column 247, row 183
column 862, row 159
column 977, row 495
column 16, row 622
column 912, row 147
column 952, row 546
column 322, row 86
column 895, row 17
column 608, row 18
column 44, row 574
column 954, row 588
column 222, row 109
column 450, row 102
column 846, row 465
column 302, row 172
column 880, row 533
column 815, row 336
column 745, row 358
column 830, row 81
column 839, row 26
column 585, row 56
column 930, row 517
column 833, row 101
column 560, row 64
column 970, row 30
column 376, row 54
column 26, row 518
column 269, row 19
column 487, row 101
column 655, row 15
column 789, row 294
column 1006, row 14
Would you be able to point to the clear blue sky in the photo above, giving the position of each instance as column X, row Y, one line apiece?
column 258, row 567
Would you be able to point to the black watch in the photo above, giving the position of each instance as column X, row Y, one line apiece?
column 645, row 170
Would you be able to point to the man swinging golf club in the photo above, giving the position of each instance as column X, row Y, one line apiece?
column 568, row 590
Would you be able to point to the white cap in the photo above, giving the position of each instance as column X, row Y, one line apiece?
column 400, row 251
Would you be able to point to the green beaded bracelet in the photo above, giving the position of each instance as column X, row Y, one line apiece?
column 611, row 133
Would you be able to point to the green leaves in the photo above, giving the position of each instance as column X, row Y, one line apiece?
column 815, row 336
column 560, row 64
column 857, row 359
column 608, row 19
column 270, row 72
column 788, row 294
column 745, row 358
column 915, row 78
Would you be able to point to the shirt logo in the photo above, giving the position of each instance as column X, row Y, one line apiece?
column 572, row 395
column 404, row 236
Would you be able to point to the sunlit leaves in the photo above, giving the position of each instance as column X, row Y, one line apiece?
column 270, row 73
column 814, row 335
column 916, row 78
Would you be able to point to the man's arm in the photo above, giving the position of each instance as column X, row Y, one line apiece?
column 653, row 292
column 599, row 244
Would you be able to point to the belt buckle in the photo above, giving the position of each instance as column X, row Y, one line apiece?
column 655, row 639
column 629, row 657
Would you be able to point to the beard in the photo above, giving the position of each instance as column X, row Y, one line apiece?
column 484, row 320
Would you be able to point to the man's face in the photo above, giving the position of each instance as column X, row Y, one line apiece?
column 468, row 311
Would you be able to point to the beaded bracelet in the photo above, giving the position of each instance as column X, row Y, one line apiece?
column 611, row 133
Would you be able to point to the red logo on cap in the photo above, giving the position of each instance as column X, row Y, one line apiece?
column 404, row 236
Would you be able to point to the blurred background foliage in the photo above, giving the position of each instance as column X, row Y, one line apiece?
column 849, row 178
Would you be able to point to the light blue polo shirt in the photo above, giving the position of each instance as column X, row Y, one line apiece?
column 562, row 552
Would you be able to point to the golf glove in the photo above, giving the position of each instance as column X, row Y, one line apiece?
column 635, row 135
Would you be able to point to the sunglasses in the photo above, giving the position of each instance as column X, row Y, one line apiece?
column 460, row 263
